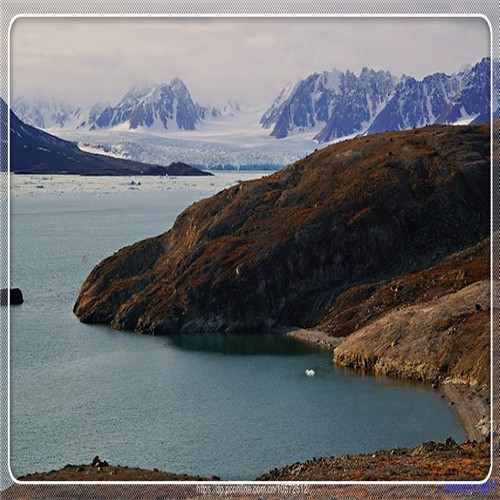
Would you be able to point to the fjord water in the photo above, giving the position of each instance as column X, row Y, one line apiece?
column 235, row 407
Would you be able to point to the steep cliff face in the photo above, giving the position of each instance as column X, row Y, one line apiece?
column 282, row 249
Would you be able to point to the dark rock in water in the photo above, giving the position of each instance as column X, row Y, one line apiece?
column 16, row 296
column 281, row 249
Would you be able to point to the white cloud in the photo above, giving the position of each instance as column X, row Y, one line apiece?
column 89, row 60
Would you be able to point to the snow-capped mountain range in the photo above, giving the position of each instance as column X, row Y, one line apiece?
column 164, row 106
column 163, row 123
column 339, row 105
column 312, row 103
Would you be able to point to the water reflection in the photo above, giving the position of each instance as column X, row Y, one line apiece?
column 242, row 344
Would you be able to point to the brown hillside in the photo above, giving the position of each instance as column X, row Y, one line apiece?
column 283, row 249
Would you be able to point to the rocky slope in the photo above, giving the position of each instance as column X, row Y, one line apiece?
column 107, row 472
column 431, row 325
column 284, row 249
column 427, row 462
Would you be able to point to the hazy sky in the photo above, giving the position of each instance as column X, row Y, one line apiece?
column 250, row 60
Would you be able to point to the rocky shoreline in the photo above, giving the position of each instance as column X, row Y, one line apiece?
column 472, row 407
column 431, row 461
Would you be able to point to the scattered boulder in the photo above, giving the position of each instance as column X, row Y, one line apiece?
column 16, row 296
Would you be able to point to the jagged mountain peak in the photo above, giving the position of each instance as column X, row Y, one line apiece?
column 165, row 105
column 340, row 103
column 461, row 97
column 344, row 104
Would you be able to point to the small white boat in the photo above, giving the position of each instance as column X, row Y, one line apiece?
column 310, row 372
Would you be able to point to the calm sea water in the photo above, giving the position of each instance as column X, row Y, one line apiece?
column 234, row 407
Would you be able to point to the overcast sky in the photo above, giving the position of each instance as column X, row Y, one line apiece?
column 94, row 60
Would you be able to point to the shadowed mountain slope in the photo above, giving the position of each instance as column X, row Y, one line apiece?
column 33, row 151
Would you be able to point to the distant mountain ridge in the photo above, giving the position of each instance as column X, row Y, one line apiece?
column 327, row 105
column 164, row 106
column 51, row 113
column 338, row 105
column 438, row 98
